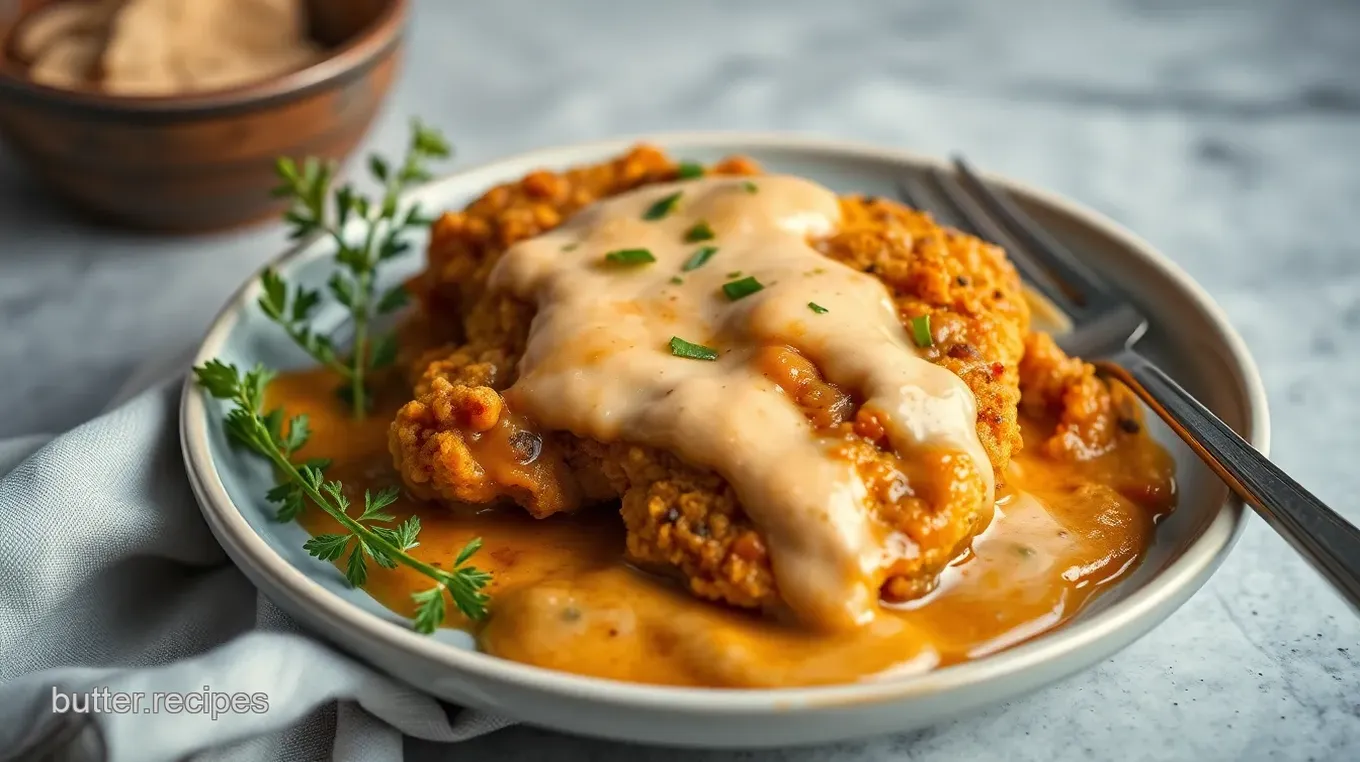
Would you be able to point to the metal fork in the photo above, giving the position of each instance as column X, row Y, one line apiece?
column 1106, row 328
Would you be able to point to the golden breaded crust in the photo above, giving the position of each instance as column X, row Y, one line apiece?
column 463, row 343
column 978, row 315
column 464, row 246
column 1089, row 413
column 458, row 443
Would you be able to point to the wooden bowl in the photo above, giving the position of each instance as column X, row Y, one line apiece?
column 204, row 160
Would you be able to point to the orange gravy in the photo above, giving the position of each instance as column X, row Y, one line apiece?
column 563, row 596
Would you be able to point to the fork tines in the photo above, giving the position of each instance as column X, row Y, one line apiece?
column 970, row 204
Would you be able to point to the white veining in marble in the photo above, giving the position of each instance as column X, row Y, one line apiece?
column 1228, row 134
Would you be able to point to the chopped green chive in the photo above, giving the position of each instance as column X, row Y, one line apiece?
column 700, row 232
column 920, row 331
column 570, row 247
column 689, row 170
column 699, row 257
column 734, row 274
column 817, row 308
column 662, row 207
column 740, row 289
column 750, row 187
column 682, row 348
column 629, row 257
column 677, row 280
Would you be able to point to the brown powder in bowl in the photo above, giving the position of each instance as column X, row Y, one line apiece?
column 164, row 47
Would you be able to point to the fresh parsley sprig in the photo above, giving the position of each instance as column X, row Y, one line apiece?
column 364, row 538
column 316, row 208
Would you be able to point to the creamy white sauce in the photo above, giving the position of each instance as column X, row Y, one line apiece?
column 598, row 364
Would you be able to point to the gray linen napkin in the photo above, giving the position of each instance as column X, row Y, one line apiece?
column 110, row 578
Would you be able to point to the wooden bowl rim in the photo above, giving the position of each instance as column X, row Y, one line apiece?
column 345, row 62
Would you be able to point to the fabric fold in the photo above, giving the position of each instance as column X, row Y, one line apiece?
column 110, row 579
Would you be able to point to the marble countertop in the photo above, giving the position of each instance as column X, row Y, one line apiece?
column 1226, row 134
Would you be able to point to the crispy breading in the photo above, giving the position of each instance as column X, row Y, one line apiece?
column 1089, row 412
column 464, row 246
column 978, row 315
column 685, row 519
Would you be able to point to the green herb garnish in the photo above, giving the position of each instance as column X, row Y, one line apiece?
column 689, row 170
column 920, row 331
column 740, row 289
column 570, row 247
column 750, row 187
column 734, row 274
column 682, row 348
column 316, row 209
column 365, row 537
column 700, row 232
column 630, row 257
column 662, row 207
column 817, row 308
column 699, row 257
column 677, row 280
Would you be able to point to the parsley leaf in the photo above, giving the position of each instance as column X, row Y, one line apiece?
column 662, row 207
column 629, row 257
column 363, row 538
column 699, row 257
column 740, row 289
column 317, row 208
column 920, row 331
column 682, row 348
column 699, row 232
column 688, row 170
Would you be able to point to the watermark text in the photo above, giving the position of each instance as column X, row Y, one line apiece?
column 102, row 700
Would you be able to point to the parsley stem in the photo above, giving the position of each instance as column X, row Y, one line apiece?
column 266, row 447
column 364, row 281
column 330, row 362
column 362, row 310
column 320, row 210
column 296, row 484
column 360, row 359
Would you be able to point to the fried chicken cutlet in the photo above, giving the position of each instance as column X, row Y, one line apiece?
column 465, row 438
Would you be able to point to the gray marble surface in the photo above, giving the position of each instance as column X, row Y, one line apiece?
column 1228, row 134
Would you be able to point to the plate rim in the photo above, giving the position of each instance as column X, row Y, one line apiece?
column 1140, row 611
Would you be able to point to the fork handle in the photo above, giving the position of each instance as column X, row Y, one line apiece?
column 1329, row 542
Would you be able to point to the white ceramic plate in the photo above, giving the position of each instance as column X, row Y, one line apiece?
column 1189, row 336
